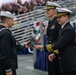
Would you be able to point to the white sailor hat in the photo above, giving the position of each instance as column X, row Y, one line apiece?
column 51, row 5
column 63, row 11
column 6, row 14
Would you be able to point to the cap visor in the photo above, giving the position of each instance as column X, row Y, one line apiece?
column 60, row 14
column 46, row 8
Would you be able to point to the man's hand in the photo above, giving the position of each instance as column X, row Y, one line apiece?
column 51, row 57
column 38, row 46
column 9, row 73
column 26, row 44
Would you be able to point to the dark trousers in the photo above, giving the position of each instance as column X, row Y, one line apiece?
column 70, row 73
column 14, row 72
column 53, row 67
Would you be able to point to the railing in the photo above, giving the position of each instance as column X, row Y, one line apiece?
column 23, row 25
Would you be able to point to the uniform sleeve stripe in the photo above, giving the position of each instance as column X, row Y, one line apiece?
column 49, row 48
column 56, row 51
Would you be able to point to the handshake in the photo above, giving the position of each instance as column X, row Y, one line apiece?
column 48, row 48
column 33, row 44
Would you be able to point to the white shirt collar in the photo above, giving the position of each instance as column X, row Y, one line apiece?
column 64, row 25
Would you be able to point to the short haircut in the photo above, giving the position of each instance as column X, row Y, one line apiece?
column 3, row 18
column 68, row 14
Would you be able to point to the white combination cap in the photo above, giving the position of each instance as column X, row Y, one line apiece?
column 6, row 14
column 51, row 5
column 63, row 11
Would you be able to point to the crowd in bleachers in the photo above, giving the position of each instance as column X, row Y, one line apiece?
column 19, row 7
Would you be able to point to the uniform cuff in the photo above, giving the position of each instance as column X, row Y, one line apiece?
column 9, row 70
